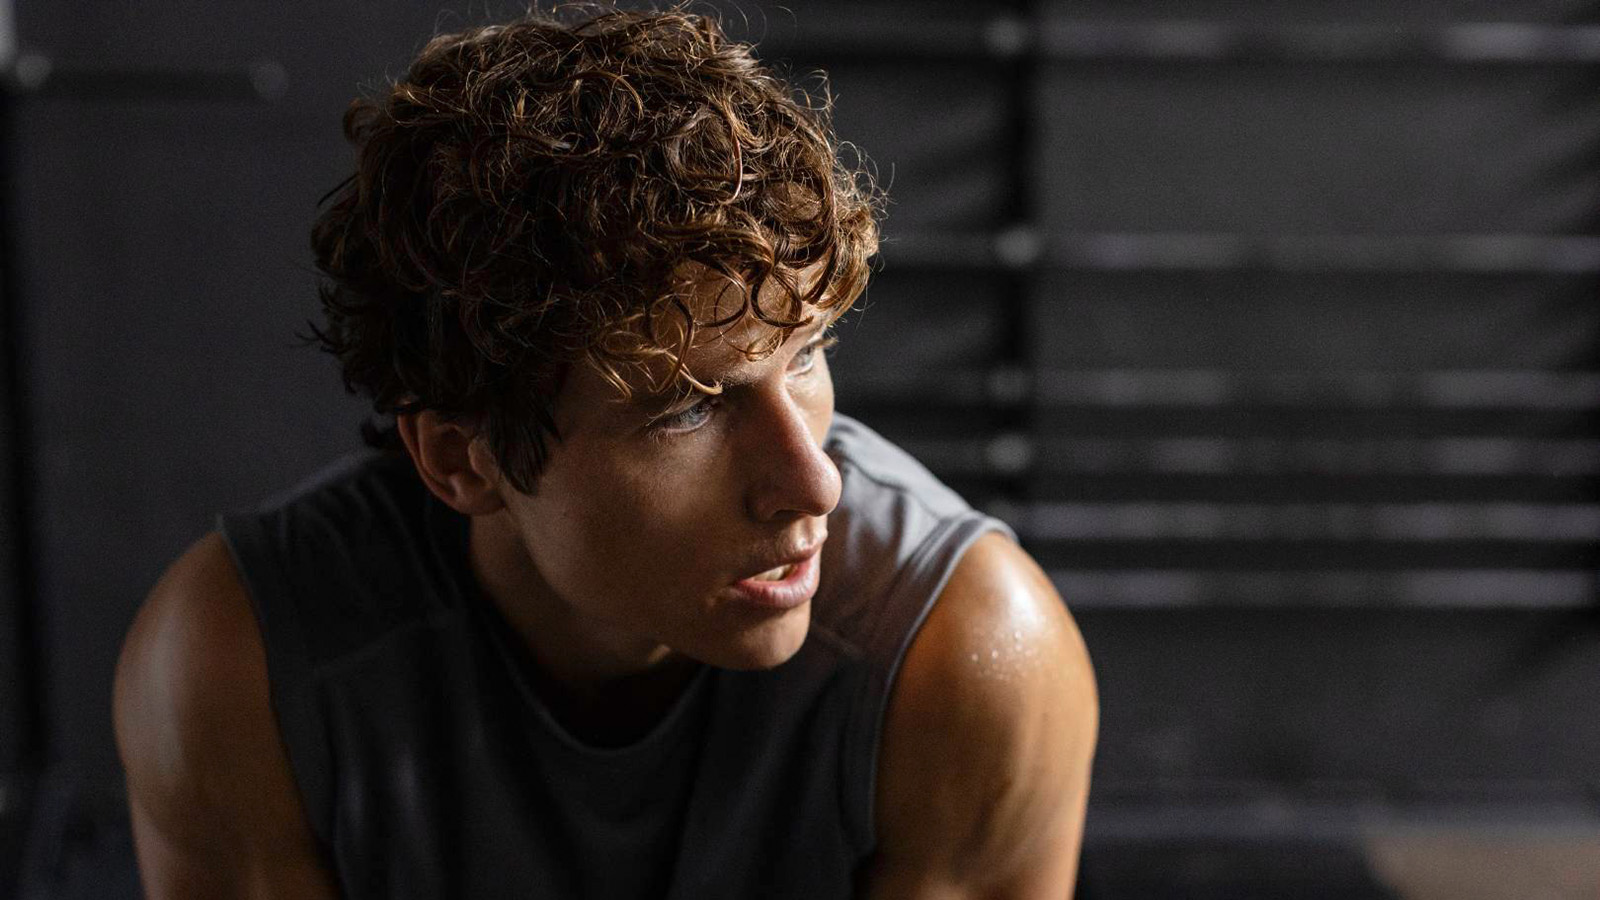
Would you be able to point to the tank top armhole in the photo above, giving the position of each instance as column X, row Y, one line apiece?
column 917, row 587
column 290, row 672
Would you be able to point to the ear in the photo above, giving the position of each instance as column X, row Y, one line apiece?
column 454, row 461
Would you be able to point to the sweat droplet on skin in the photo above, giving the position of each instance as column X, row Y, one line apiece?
column 1011, row 655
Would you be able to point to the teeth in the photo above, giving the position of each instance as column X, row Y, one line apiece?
column 778, row 574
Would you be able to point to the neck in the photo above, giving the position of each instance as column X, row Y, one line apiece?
column 605, row 688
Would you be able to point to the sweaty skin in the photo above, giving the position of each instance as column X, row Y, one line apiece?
column 983, row 774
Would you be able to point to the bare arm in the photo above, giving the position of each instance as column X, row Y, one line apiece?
column 215, row 810
column 984, row 771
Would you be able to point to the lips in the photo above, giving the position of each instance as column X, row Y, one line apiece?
column 782, row 584
column 776, row 568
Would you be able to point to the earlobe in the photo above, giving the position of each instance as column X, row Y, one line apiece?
column 453, row 461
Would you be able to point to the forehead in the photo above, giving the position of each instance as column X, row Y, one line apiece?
column 729, row 353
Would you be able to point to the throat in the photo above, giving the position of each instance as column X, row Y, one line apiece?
column 619, row 713
column 602, row 696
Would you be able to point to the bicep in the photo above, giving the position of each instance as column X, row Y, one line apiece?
column 173, row 864
column 214, row 808
column 984, row 770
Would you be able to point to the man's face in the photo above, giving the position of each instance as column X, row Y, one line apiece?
column 651, row 515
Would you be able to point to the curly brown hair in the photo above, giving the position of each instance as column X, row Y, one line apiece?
column 540, row 193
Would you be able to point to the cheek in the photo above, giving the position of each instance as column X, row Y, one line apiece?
column 617, row 537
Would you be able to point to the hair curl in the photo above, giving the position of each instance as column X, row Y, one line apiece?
column 540, row 193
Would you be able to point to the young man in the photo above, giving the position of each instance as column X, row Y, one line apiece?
column 624, row 609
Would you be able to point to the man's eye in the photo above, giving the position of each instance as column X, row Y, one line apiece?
column 806, row 359
column 688, row 419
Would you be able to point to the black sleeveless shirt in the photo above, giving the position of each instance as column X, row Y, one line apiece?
column 429, row 767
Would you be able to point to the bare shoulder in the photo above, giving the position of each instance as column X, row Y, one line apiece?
column 989, row 737
column 214, row 805
column 191, row 675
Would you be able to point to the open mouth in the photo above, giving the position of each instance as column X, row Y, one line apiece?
column 778, row 574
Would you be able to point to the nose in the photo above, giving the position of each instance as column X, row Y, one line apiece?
column 794, row 478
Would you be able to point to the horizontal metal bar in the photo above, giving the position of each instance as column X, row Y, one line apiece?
column 1178, row 41
column 1440, row 456
column 37, row 74
column 1441, row 588
column 1006, row 36
column 1156, row 521
column 1509, row 816
column 1210, row 388
column 1021, row 248
column 1463, row 802
column 1458, row 389
column 1016, row 454
column 867, row 37
column 1315, row 555
column 1142, row 488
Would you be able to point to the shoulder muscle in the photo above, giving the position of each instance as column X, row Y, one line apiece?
column 990, row 733
column 215, row 808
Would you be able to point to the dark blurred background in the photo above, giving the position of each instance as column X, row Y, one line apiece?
column 1272, row 327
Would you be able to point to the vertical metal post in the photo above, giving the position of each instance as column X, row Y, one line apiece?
column 21, row 747
column 1014, row 39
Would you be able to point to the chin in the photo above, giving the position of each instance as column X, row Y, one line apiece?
column 769, row 644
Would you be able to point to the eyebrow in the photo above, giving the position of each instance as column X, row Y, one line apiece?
column 806, row 336
column 733, row 379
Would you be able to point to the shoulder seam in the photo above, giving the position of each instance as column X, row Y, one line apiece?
column 896, row 486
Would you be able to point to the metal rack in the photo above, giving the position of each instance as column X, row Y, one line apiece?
column 1027, row 33
column 1024, row 248
column 1439, row 487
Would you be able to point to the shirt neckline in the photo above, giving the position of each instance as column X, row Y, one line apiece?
column 451, row 533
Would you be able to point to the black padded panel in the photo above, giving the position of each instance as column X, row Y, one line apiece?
column 168, row 273
column 1355, row 148
column 1320, row 321
column 1448, row 703
column 944, row 172
column 167, row 264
